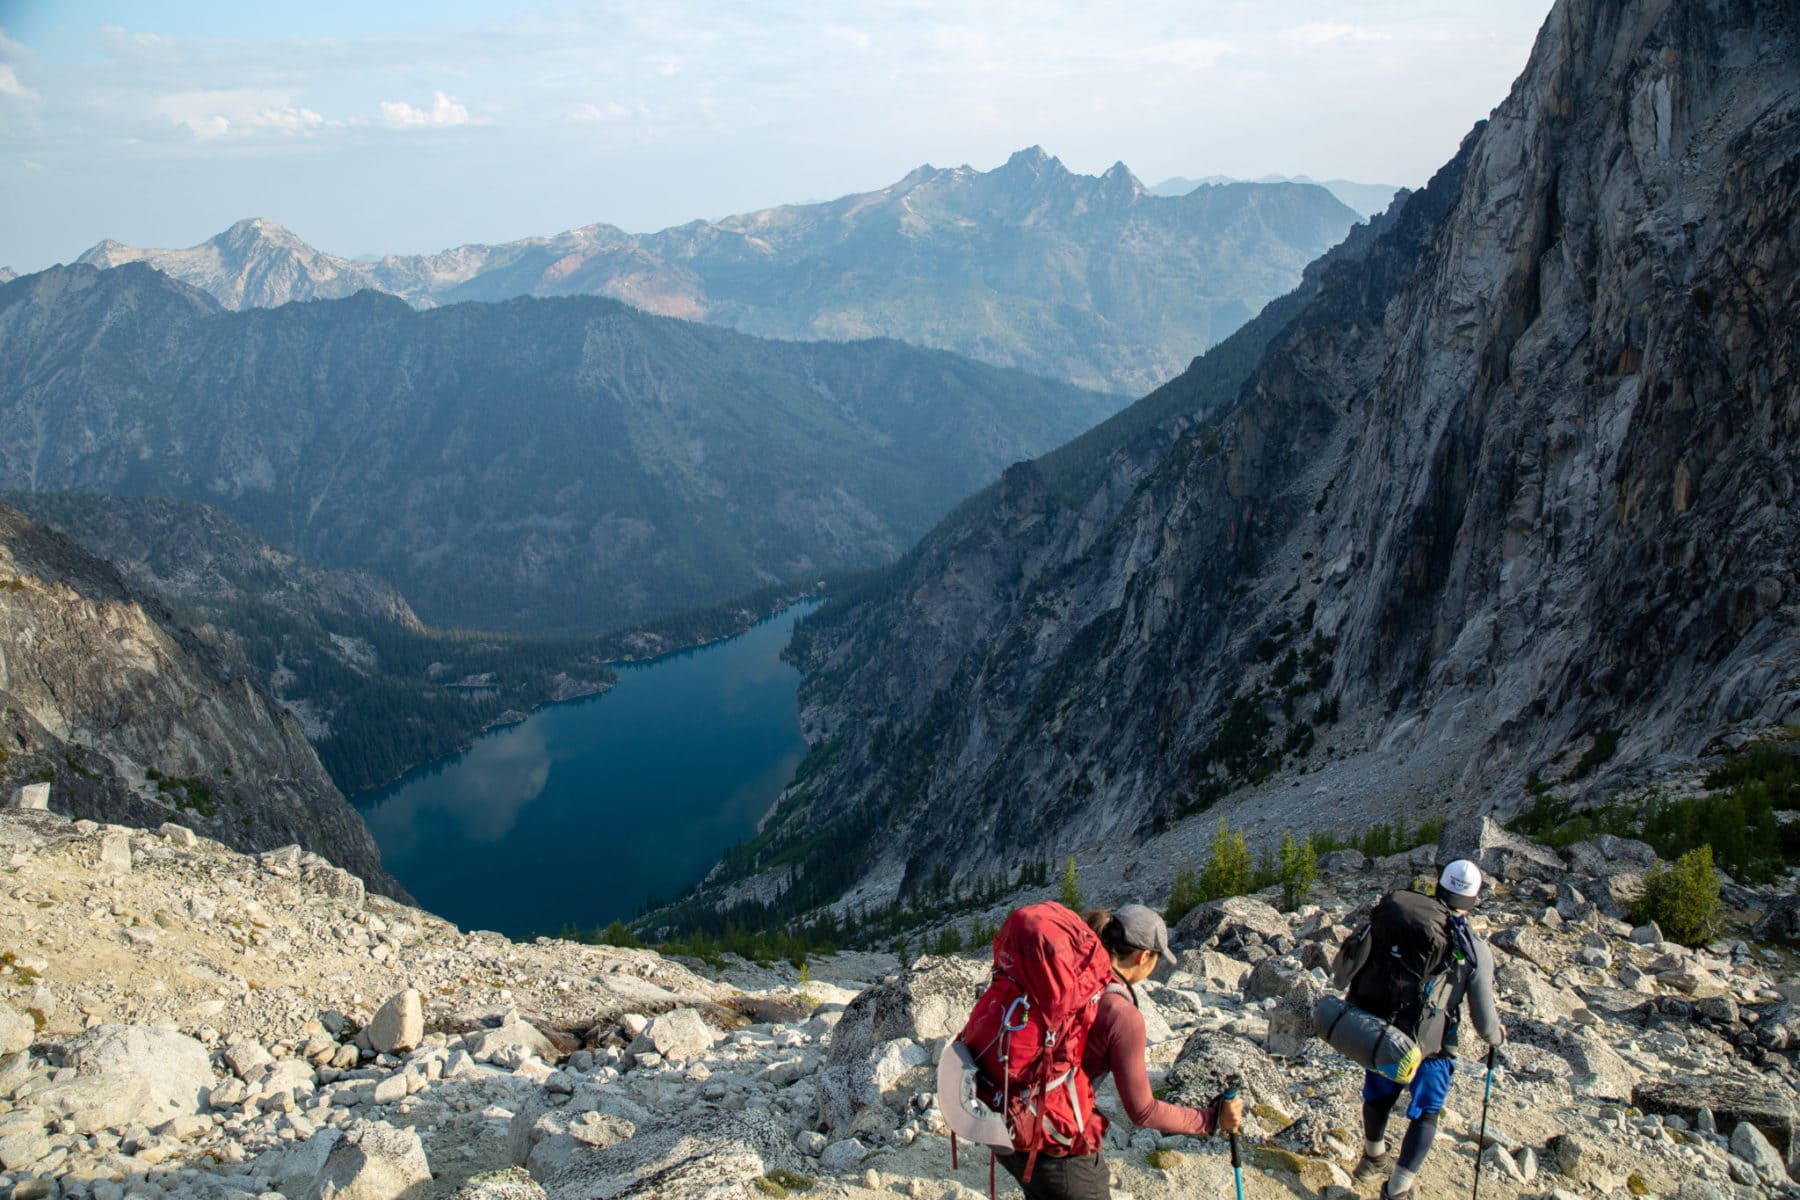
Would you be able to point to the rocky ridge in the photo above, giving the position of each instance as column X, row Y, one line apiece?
column 1507, row 491
column 127, row 716
column 1366, row 198
column 372, row 687
column 589, row 464
column 1085, row 278
column 180, row 1020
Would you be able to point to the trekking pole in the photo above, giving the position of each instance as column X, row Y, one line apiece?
column 1487, row 1093
column 1233, row 1085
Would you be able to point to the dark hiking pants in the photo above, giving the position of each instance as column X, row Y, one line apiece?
column 1061, row 1178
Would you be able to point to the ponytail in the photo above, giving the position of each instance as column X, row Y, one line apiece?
column 1111, row 932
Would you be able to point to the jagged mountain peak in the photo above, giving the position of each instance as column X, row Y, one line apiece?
column 927, row 260
column 109, row 253
column 255, row 232
column 1034, row 158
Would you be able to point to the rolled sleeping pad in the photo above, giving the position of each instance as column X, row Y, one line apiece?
column 1365, row 1038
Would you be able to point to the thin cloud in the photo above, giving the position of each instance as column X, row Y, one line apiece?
column 443, row 113
column 236, row 112
column 858, row 39
column 609, row 113
column 10, row 85
column 1323, row 33
column 1195, row 54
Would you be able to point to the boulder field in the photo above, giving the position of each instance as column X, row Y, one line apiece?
column 181, row 1020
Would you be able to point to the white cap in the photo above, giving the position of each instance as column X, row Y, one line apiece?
column 1460, row 884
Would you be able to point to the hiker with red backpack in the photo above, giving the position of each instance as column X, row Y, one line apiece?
column 1408, row 974
column 1060, row 1015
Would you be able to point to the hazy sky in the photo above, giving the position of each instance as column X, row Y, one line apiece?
column 383, row 125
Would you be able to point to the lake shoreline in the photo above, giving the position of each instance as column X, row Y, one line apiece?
column 682, row 764
column 745, row 615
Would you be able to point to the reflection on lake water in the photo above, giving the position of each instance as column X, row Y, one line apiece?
column 580, row 812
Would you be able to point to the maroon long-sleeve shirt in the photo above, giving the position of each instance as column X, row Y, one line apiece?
column 1116, row 1046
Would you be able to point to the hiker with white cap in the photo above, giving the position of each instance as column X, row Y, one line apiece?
column 1414, row 966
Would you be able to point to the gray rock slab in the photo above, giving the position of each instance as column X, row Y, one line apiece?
column 174, row 1068
column 1230, row 924
column 510, row 1184
column 374, row 1161
column 1209, row 1056
column 1730, row 1101
column 707, row 1156
column 33, row 797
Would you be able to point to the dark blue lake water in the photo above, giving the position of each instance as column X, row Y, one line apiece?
column 583, row 810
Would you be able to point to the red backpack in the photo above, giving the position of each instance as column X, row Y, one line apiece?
column 1029, row 1029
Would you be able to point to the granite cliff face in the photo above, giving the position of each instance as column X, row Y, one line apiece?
column 134, row 720
column 1078, row 277
column 533, row 465
column 1512, row 484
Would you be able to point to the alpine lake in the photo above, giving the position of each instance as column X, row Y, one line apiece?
column 576, row 815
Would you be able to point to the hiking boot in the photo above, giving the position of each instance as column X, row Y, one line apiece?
column 1372, row 1168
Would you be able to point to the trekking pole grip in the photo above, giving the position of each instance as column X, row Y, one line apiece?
column 1234, row 1086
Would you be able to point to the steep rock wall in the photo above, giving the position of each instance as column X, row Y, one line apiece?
column 134, row 720
column 1517, row 474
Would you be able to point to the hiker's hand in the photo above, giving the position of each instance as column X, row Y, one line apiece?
column 1228, row 1116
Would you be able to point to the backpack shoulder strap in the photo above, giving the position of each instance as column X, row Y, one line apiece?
column 1462, row 937
column 1119, row 987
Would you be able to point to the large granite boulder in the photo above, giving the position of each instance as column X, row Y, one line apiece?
column 929, row 1000
column 1230, row 925
column 1780, row 920
column 172, row 1069
column 1209, row 1057
column 399, row 1025
column 1731, row 1100
column 374, row 1161
column 1499, row 853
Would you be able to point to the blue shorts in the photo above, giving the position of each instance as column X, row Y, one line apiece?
column 1430, row 1087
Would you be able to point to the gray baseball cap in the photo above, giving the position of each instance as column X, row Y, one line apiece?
column 1145, row 930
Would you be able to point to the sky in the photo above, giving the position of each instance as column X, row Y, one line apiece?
column 400, row 126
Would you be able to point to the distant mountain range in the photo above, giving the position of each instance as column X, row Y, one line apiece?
column 1090, row 279
column 7, row 274
column 1366, row 198
column 567, row 464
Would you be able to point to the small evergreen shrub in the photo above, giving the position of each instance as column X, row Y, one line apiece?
column 619, row 934
column 1298, row 867
column 1227, row 871
column 1071, row 886
column 1683, row 897
column 1183, row 896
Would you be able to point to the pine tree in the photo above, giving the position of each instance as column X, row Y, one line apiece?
column 1298, row 867
column 1227, row 872
column 1071, row 886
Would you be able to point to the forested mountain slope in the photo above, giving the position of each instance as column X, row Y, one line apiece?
column 537, row 464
